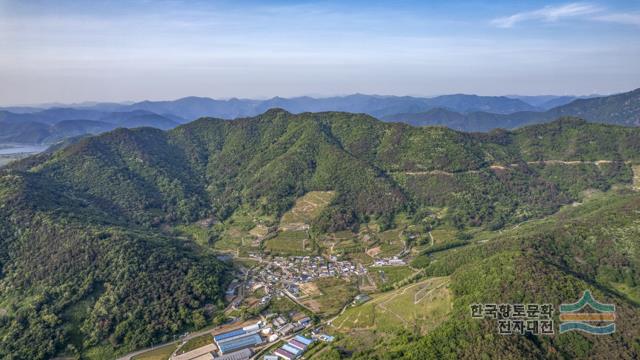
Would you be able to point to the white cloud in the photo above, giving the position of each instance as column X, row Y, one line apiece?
column 620, row 18
column 549, row 14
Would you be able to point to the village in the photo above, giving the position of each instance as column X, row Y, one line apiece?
column 273, row 335
column 286, row 274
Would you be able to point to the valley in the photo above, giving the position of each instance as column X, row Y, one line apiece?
column 319, row 180
column 365, row 237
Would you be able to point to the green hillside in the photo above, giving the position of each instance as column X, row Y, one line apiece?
column 90, row 261
column 590, row 247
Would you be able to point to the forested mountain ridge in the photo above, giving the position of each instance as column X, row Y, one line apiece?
column 82, row 226
column 80, row 280
column 619, row 109
column 460, row 112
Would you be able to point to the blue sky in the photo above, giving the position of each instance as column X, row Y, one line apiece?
column 70, row 51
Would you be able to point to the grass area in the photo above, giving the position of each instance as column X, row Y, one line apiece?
column 295, row 242
column 391, row 243
column 102, row 352
column 388, row 275
column 283, row 305
column 443, row 235
column 419, row 307
column 341, row 242
column 246, row 262
column 360, row 257
column 347, row 246
column 162, row 353
column 241, row 230
column 196, row 342
column 335, row 293
column 259, row 231
column 199, row 234
column 307, row 208
column 632, row 293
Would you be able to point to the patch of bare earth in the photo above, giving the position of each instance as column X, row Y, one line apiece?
column 373, row 252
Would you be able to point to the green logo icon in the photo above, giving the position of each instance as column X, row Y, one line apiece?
column 574, row 320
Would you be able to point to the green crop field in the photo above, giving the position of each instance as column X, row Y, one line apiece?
column 423, row 305
column 289, row 242
column 335, row 294
column 388, row 275
column 391, row 243
column 443, row 235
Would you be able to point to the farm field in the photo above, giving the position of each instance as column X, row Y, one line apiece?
column 199, row 234
column 423, row 305
column 389, row 275
column 294, row 242
column 306, row 208
column 334, row 294
column 391, row 243
column 441, row 236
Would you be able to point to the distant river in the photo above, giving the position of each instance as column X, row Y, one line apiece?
column 22, row 149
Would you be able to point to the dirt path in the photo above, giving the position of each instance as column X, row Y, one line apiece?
column 505, row 167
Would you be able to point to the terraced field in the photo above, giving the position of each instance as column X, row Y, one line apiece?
column 306, row 208
column 421, row 306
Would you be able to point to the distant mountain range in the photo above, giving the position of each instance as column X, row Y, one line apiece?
column 51, row 125
column 459, row 111
column 619, row 109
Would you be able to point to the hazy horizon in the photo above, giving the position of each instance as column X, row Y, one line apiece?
column 315, row 96
column 116, row 51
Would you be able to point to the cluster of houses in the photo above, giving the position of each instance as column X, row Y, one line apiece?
column 301, row 269
column 283, row 327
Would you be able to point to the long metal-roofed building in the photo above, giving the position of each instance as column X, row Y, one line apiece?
column 238, row 339
column 229, row 334
column 244, row 354
column 239, row 343
column 294, row 350
column 297, row 344
column 303, row 340
column 284, row 354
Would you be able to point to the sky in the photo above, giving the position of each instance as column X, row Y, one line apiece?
column 73, row 51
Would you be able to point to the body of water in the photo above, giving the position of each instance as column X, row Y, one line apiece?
column 22, row 149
